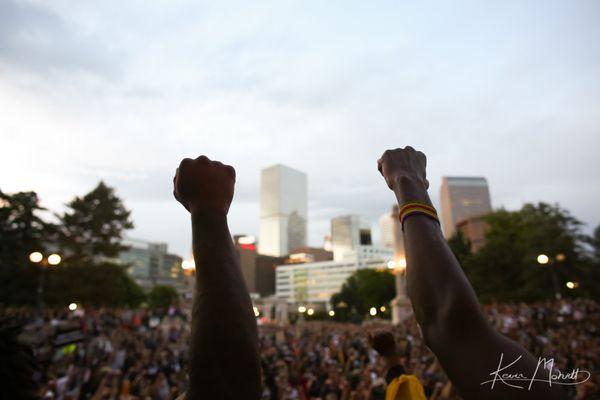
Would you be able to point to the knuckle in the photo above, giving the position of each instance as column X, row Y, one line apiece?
column 231, row 170
column 185, row 161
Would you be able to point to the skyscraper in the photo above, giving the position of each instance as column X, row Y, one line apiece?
column 348, row 233
column 461, row 198
column 391, row 232
column 283, row 210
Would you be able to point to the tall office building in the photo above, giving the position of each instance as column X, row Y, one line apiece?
column 347, row 234
column 150, row 264
column 462, row 198
column 283, row 210
column 391, row 232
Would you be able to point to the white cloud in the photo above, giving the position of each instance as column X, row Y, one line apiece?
column 123, row 91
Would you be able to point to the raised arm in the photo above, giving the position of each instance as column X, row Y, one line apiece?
column 445, row 304
column 224, row 359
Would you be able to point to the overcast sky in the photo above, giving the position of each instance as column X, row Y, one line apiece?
column 121, row 91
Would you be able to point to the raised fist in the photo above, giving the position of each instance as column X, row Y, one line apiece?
column 204, row 186
column 383, row 342
column 403, row 164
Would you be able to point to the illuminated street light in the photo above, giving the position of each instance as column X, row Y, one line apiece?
column 331, row 313
column 256, row 312
column 391, row 264
column 188, row 264
column 36, row 257
column 301, row 309
column 543, row 259
column 73, row 306
column 382, row 308
column 572, row 285
column 54, row 259
column 373, row 311
column 310, row 311
column 402, row 264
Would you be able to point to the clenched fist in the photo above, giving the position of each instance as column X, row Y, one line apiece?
column 403, row 164
column 204, row 186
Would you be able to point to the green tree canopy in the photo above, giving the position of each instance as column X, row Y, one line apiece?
column 22, row 231
column 162, row 296
column 97, row 285
column 364, row 289
column 92, row 228
column 506, row 267
column 460, row 246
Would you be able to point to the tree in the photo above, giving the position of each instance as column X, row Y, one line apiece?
column 364, row 289
column 22, row 231
column 96, row 285
column 594, row 240
column 460, row 246
column 505, row 268
column 162, row 296
column 92, row 229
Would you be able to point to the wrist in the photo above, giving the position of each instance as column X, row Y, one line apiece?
column 410, row 189
column 204, row 216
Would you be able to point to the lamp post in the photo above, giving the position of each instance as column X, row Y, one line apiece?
column 543, row 259
column 38, row 258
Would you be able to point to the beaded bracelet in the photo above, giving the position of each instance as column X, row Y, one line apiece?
column 415, row 208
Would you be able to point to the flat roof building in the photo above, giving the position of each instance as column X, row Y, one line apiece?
column 462, row 198
column 315, row 282
column 283, row 210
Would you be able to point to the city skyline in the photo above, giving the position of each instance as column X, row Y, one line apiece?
column 123, row 92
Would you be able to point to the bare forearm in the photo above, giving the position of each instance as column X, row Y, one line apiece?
column 449, row 314
column 224, row 355
column 436, row 283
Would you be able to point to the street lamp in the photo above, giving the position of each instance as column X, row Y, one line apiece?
column 301, row 309
column 543, row 259
column 310, row 311
column 331, row 313
column 54, row 259
column 37, row 257
column 188, row 264
column 373, row 311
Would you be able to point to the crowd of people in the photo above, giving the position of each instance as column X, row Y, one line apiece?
column 143, row 354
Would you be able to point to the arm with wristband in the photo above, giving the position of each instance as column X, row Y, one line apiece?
column 444, row 302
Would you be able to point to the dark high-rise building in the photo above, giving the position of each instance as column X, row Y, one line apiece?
column 462, row 198
column 258, row 269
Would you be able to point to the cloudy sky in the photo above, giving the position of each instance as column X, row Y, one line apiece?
column 121, row 91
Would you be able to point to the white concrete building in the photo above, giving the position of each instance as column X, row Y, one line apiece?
column 283, row 210
column 315, row 283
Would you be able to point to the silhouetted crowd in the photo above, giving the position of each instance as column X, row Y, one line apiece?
column 143, row 354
